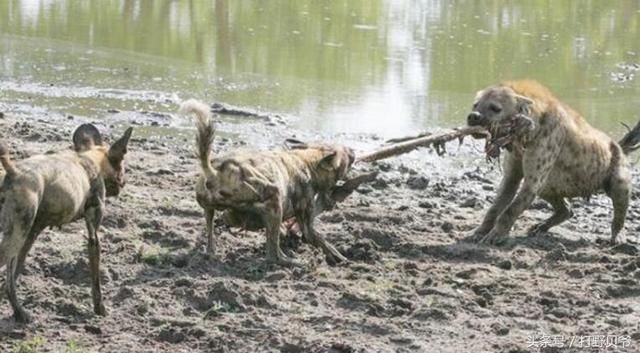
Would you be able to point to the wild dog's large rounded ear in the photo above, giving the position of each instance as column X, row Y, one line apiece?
column 294, row 144
column 523, row 104
column 119, row 148
column 330, row 160
column 85, row 136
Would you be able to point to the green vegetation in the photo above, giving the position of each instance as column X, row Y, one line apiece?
column 73, row 346
column 217, row 309
column 31, row 345
column 153, row 255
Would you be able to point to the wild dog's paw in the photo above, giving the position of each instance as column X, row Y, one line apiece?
column 22, row 317
column 475, row 235
column 283, row 260
column 100, row 309
column 536, row 230
column 336, row 258
column 494, row 237
column 613, row 241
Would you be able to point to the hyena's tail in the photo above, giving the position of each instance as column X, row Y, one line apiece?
column 206, row 132
column 5, row 160
column 631, row 140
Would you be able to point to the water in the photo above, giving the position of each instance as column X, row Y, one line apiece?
column 360, row 66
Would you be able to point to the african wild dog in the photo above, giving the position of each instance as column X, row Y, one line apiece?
column 558, row 156
column 272, row 185
column 56, row 189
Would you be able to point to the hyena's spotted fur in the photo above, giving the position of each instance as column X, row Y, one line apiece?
column 560, row 157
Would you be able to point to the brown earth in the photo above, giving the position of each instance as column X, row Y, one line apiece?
column 412, row 284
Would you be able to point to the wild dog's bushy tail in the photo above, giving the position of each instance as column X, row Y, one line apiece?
column 206, row 132
column 631, row 140
column 5, row 159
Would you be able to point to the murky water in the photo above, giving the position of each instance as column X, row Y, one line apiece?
column 374, row 66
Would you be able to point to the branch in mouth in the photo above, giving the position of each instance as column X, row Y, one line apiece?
column 506, row 131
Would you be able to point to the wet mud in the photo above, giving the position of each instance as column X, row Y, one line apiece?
column 412, row 284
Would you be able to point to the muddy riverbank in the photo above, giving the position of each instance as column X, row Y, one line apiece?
column 412, row 284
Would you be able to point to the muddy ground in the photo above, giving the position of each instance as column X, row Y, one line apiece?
column 412, row 284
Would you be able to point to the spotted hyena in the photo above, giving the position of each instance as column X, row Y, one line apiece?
column 557, row 157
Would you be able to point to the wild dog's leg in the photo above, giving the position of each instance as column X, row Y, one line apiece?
column 537, row 162
column 274, row 251
column 18, row 311
column 16, row 233
column 36, row 229
column 619, row 191
column 93, row 218
column 305, row 216
column 561, row 212
column 506, row 192
column 33, row 234
column 211, row 243
column 272, row 218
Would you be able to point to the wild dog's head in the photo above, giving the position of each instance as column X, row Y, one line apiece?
column 496, row 107
column 87, row 140
column 332, row 162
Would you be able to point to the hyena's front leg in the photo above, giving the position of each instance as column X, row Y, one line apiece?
column 506, row 192
column 536, row 166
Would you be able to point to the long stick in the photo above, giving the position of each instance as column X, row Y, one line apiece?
column 430, row 140
column 407, row 138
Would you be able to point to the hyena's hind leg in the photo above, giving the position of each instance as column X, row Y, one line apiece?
column 620, row 192
column 561, row 212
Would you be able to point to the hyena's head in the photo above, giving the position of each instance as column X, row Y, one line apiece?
column 332, row 161
column 496, row 105
column 87, row 140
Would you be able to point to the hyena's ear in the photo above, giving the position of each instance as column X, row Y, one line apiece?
column 119, row 148
column 294, row 144
column 523, row 104
column 86, row 136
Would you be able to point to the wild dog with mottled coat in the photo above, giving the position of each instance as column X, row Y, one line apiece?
column 55, row 189
column 272, row 185
column 558, row 156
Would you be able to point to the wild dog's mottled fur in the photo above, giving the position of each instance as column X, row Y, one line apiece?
column 273, row 185
column 52, row 190
column 561, row 157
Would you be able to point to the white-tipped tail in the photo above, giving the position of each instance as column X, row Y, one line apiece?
column 205, row 134
column 194, row 106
